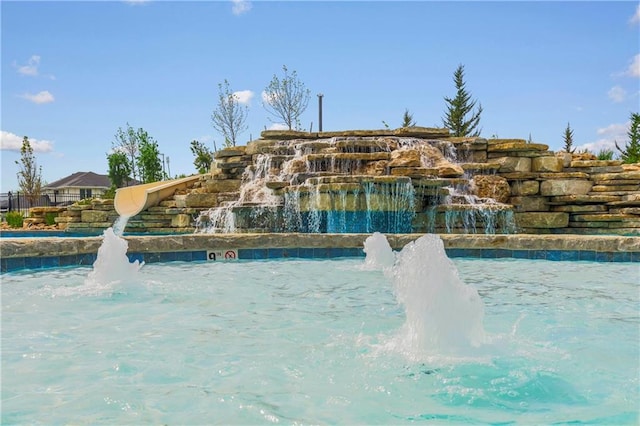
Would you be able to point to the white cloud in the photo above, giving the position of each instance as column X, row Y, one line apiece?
column 608, row 136
column 240, row 6
column 43, row 97
column 278, row 126
column 243, row 96
column 12, row 142
column 31, row 68
column 634, row 67
column 617, row 94
column 636, row 16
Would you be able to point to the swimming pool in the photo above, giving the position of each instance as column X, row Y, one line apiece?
column 348, row 341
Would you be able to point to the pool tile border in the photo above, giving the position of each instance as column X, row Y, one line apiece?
column 20, row 254
column 35, row 263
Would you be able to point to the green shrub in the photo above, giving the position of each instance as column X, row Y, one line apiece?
column 50, row 218
column 109, row 194
column 83, row 202
column 605, row 154
column 15, row 219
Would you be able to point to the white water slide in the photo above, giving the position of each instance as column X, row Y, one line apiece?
column 132, row 200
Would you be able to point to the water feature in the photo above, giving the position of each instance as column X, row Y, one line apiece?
column 400, row 337
column 353, row 185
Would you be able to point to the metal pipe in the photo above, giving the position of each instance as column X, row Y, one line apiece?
column 320, row 95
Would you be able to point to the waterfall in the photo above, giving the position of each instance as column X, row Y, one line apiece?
column 348, row 185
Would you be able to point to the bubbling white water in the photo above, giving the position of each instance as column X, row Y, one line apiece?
column 444, row 316
column 380, row 256
column 112, row 266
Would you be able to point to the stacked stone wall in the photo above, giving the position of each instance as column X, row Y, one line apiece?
column 551, row 193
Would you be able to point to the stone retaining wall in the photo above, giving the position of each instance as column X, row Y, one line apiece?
column 551, row 193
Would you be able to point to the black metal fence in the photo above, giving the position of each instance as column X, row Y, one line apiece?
column 17, row 201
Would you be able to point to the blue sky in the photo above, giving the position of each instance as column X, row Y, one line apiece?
column 74, row 72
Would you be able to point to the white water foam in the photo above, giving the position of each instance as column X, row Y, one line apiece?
column 444, row 316
column 112, row 267
column 380, row 256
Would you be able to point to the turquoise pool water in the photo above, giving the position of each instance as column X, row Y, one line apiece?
column 324, row 342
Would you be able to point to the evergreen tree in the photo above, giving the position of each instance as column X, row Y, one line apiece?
column 568, row 140
column 631, row 152
column 407, row 119
column 460, row 107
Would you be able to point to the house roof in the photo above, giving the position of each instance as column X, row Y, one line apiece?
column 82, row 180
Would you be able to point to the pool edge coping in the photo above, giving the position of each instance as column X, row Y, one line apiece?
column 51, row 252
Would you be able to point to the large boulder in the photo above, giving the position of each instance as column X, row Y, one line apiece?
column 492, row 186
column 405, row 158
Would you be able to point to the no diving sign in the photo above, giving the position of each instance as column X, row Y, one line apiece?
column 227, row 254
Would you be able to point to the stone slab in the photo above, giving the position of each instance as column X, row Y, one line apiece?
column 565, row 187
column 542, row 219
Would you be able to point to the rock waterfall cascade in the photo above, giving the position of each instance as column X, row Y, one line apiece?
column 398, row 183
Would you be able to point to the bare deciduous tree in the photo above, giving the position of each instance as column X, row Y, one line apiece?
column 128, row 142
column 229, row 117
column 29, row 175
column 286, row 98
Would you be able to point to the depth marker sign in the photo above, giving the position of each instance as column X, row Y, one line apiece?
column 225, row 254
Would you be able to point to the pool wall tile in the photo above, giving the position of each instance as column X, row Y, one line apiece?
column 290, row 252
column 588, row 255
column 245, row 254
column 275, row 253
column 260, row 254
column 169, row 256
column 634, row 256
column 620, row 256
column 151, row 257
column 355, row 252
column 604, row 256
column 554, row 255
column 458, row 252
column 335, row 252
column 69, row 260
column 86, row 259
column 487, row 253
column 570, row 255
column 200, row 255
column 184, row 256
column 50, row 261
column 321, row 252
column 305, row 252
column 521, row 254
column 135, row 256
column 502, row 253
column 33, row 262
column 15, row 263
column 538, row 254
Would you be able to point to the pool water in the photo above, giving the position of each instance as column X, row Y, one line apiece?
column 324, row 342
